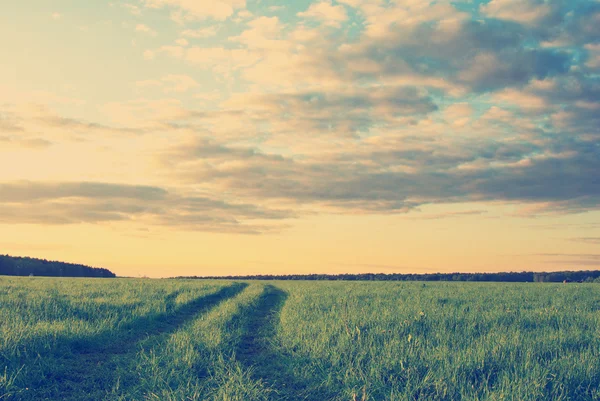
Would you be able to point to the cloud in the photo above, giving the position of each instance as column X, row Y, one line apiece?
column 145, row 29
column 439, row 216
column 36, row 126
column 9, row 123
column 194, row 10
column 133, row 9
column 30, row 143
column 30, row 191
column 593, row 56
column 264, row 34
column 368, row 179
column 220, row 60
column 579, row 260
column 587, row 240
column 149, row 55
column 28, row 202
column 411, row 103
column 170, row 83
column 482, row 55
column 337, row 113
column 144, row 114
column 491, row 71
column 523, row 11
column 201, row 33
column 326, row 13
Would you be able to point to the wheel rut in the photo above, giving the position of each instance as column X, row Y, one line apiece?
column 256, row 352
column 95, row 367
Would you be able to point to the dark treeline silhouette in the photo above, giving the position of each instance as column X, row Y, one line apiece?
column 540, row 277
column 23, row 266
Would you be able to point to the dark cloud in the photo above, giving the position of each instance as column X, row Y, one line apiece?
column 564, row 175
column 574, row 22
column 340, row 113
column 553, row 163
column 571, row 174
column 513, row 68
column 483, row 54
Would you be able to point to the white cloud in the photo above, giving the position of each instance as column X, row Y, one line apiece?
column 144, row 113
column 221, row 60
column 594, row 55
column 170, row 83
column 201, row 33
column 524, row 11
column 458, row 114
column 263, row 33
column 149, row 55
column 326, row 12
column 145, row 29
column 179, row 83
column 198, row 10
column 133, row 9
column 172, row 51
column 245, row 14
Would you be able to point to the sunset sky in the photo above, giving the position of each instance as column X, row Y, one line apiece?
column 210, row 137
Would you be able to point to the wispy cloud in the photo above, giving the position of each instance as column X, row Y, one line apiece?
column 325, row 12
column 170, row 83
column 145, row 29
column 587, row 240
column 447, row 215
column 571, row 260
column 194, row 10
column 201, row 33
column 96, row 202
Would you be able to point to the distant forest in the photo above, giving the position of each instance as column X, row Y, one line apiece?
column 23, row 266
column 538, row 277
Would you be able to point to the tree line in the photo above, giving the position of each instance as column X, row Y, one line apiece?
column 24, row 266
column 539, row 277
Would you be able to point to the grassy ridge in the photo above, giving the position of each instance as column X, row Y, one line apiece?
column 226, row 341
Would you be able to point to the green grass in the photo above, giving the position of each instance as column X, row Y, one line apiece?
column 126, row 339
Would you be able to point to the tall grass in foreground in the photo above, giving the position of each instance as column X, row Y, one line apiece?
column 46, row 319
column 66, row 339
column 443, row 341
column 198, row 362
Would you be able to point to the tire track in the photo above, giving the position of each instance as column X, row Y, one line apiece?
column 94, row 368
column 256, row 353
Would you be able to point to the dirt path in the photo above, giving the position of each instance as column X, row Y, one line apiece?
column 256, row 352
column 94, row 367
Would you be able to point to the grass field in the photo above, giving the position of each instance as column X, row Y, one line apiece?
column 126, row 339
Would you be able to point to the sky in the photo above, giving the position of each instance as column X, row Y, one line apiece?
column 179, row 137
